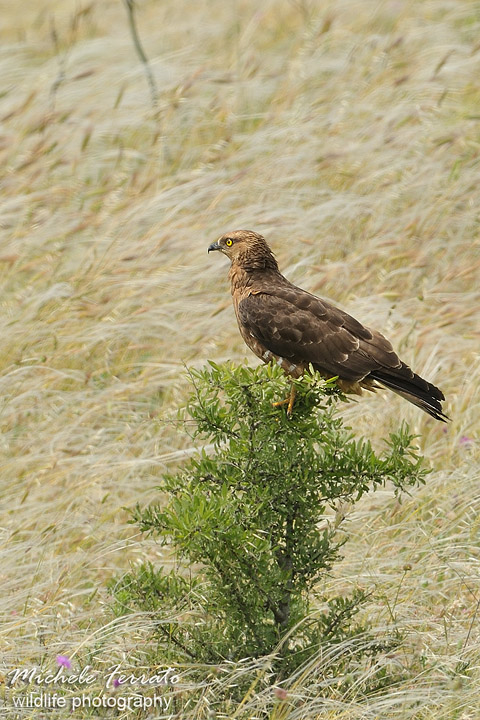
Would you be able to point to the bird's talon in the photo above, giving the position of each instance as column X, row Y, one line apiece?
column 288, row 401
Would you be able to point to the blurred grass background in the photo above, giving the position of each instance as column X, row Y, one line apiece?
column 348, row 133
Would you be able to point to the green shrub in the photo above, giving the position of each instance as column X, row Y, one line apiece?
column 253, row 521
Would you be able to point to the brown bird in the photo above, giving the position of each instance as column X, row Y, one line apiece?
column 282, row 323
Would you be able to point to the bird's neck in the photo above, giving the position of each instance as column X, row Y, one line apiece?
column 244, row 280
column 255, row 259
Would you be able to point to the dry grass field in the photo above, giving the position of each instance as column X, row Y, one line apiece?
column 348, row 133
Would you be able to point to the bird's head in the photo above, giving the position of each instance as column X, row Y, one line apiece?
column 247, row 249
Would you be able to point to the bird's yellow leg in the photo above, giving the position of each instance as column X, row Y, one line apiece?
column 290, row 400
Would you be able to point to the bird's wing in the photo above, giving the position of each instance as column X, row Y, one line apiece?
column 296, row 325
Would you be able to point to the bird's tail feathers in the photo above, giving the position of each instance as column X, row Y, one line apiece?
column 414, row 389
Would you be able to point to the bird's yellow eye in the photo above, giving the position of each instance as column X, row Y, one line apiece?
column 229, row 242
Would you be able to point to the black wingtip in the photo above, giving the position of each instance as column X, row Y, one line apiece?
column 417, row 391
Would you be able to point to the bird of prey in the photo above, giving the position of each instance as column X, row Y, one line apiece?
column 282, row 323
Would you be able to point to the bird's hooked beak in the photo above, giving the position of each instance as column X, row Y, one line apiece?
column 214, row 246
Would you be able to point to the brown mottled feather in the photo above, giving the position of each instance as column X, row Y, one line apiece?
column 281, row 322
